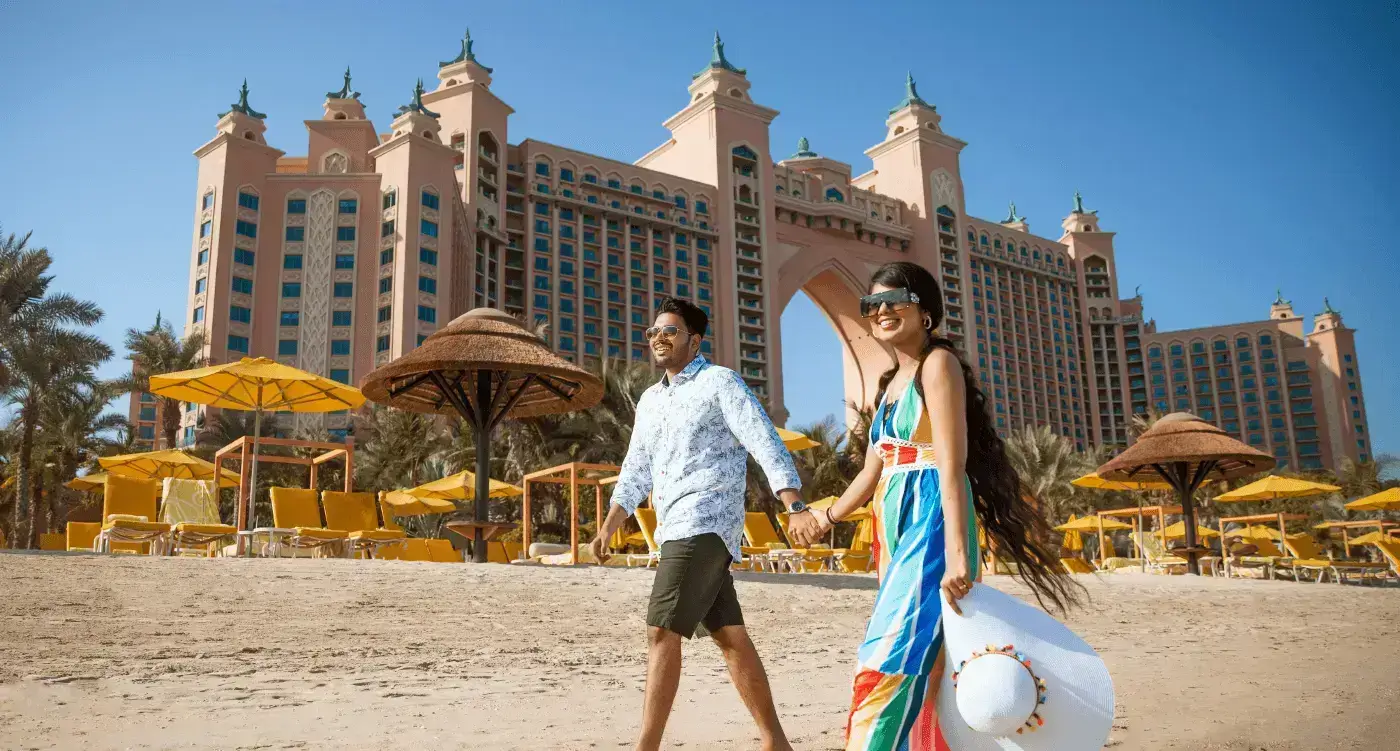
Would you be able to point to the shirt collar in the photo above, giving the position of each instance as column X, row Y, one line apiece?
column 688, row 373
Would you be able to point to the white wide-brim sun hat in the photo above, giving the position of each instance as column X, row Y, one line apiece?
column 1019, row 680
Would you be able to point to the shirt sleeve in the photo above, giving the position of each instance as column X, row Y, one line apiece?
column 750, row 424
column 634, row 480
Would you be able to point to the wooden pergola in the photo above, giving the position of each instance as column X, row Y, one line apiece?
column 1280, row 518
column 1347, row 526
column 241, row 452
column 1139, row 513
column 572, row 474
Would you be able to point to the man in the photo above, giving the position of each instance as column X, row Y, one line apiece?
column 688, row 449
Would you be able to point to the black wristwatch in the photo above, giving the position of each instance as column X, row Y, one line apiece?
column 797, row 507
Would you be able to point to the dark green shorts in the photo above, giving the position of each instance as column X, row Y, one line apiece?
column 693, row 587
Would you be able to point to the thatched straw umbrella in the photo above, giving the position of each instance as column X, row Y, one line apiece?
column 485, row 367
column 1185, row 451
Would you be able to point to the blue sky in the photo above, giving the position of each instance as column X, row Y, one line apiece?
column 1234, row 147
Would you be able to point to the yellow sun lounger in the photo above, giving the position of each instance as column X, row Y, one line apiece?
column 355, row 513
column 646, row 519
column 1077, row 566
column 296, row 519
column 1158, row 560
column 416, row 549
column 129, row 516
column 82, row 534
column 191, row 507
column 1309, row 558
column 53, row 541
column 765, row 549
column 441, row 551
column 1390, row 549
column 503, row 551
column 813, row 559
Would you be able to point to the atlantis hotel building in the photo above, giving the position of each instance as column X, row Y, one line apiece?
column 348, row 256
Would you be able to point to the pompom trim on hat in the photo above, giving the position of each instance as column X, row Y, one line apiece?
column 1035, row 721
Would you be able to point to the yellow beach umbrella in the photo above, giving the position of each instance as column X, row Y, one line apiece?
column 1386, row 500
column 1275, row 488
column 177, row 463
column 402, row 503
column 1073, row 541
column 1370, row 537
column 1178, row 530
column 795, row 441
column 1091, row 524
column 462, row 486
column 258, row 385
column 89, row 481
column 1257, row 530
column 1092, row 480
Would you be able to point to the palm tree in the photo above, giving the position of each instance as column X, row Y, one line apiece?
column 155, row 351
column 1364, row 478
column 1143, row 421
column 394, row 445
column 44, row 361
column 25, row 303
column 75, row 428
column 1046, row 463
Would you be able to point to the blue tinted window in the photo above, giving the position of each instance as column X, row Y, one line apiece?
column 430, row 200
column 427, row 256
column 340, row 347
column 238, row 343
column 290, row 318
column 242, row 286
column 291, row 261
column 428, row 228
column 248, row 201
column 291, row 289
column 245, row 257
column 344, row 261
column 348, row 206
column 345, row 234
column 341, row 318
column 296, row 205
column 296, row 234
column 344, row 289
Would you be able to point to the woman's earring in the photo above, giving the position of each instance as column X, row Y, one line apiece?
column 928, row 322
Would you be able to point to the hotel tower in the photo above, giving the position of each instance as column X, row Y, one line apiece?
column 344, row 258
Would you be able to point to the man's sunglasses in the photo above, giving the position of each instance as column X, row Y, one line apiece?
column 667, row 331
column 896, row 299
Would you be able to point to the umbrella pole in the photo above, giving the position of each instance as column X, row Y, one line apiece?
column 483, row 463
column 1186, row 489
column 253, row 482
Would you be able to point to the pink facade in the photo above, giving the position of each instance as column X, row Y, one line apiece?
column 347, row 257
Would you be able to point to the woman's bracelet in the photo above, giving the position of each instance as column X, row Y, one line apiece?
column 829, row 520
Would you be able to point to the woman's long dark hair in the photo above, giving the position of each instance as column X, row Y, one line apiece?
column 1014, row 527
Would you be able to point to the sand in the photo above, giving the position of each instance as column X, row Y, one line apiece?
column 125, row 653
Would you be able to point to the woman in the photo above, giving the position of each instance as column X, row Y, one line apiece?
column 934, row 458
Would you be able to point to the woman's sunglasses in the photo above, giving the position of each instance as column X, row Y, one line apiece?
column 895, row 299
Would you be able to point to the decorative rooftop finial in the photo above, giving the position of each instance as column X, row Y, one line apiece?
column 1078, row 203
column 242, row 106
column 1011, row 217
column 345, row 91
column 466, row 55
column 1278, row 298
column 1327, row 308
column 911, row 96
column 417, row 104
column 804, row 150
column 1137, row 292
column 718, row 60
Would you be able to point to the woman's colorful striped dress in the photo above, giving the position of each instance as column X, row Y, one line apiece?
column 892, row 705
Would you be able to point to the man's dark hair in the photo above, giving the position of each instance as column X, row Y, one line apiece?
column 695, row 319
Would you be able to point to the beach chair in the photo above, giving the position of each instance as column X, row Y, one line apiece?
column 80, row 535
column 646, row 519
column 1159, row 561
column 355, row 513
column 191, row 508
column 1077, row 566
column 296, row 523
column 1390, row 551
column 503, row 551
column 129, row 522
column 416, row 549
column 53, row 541
column 1264, row 557
column 765, row 549
column 816, row 558
column 1308, row 557
column 856, row 559
column 441, row 551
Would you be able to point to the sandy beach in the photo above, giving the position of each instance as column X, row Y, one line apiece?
column 127, row 653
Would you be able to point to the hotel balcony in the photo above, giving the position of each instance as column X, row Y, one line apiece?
column 744, row 237
column 750, row 271
column 750, row 288
column 751, row 321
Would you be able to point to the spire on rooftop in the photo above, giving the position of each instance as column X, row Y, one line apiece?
column 417, row 104
column 466, row 55
column 1327, row 308
column 804, row 150
column 1011, row 217
column 243, row 106
column 345, row 91
column 911, row 96
column 718, row 60
column 1278, row 298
